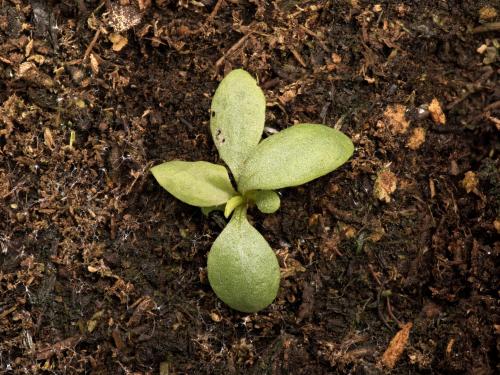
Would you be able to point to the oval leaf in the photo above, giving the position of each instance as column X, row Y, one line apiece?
column 267, row 201
column 198, row 183
column 242, row 268
column 237, row 118
column 295, row 156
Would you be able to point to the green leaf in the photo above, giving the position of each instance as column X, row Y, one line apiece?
column 198, row 183
column 267, row 201
column 242, row 268
column 232, row 204
column 237, row 118
column 295, row 156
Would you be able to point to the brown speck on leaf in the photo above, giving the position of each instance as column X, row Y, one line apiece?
column 396, row 347
column 394, row 119
column 385, row 185
column 417, row 139
column 436, row 112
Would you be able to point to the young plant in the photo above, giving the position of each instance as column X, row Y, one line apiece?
column 242, row 268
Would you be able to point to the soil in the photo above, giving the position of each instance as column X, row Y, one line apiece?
column 389, row 264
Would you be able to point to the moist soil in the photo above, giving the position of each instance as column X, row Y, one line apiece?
column 389, row 264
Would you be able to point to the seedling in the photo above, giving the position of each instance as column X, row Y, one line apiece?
column 242, row 268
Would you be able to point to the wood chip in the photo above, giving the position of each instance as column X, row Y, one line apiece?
column 118, row 41
column 48, row 139
column 496, row 224
column 417, row 139
column 385, row 185
column 119, row 343
column 52, row 349
column 94, row 64
column 215, row 317
column 487, row 13
column 470, row 182
column 395, row 120
column 436, row 112
column 396, row 347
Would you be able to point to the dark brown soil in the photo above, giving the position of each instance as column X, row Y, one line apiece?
column 103, row 272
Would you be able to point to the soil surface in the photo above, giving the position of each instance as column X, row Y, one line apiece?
column 389, row 264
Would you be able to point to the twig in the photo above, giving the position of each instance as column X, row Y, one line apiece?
column 389, row 310
column 316, row 36
column 379, row 310
column 214, row 12
column 91, row 45
column 492, row 106
column 297, row 56
column 493, row 26
column 231, row 50
column 5, row 60
column 475, row 87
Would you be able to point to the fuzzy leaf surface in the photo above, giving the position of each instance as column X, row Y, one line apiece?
column 232, row 204
column 267, row 201
column 242, row 268
column 295, row 156
column 198, row 183
column 237, row 118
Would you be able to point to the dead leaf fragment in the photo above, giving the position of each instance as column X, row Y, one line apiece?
column 48, row 139
column 49, row 350
column 24, row 68
column 436, row 112
column 417, row 139
column 118, row 41
column 394, row 118
column 144, row 305
column 94, row 64
column 11, row 109
column 396, row 346
column 470, row 182
column 376, row 234
column 94, row 320
column 292, row 268
column 385, row 185
column 288, row 96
